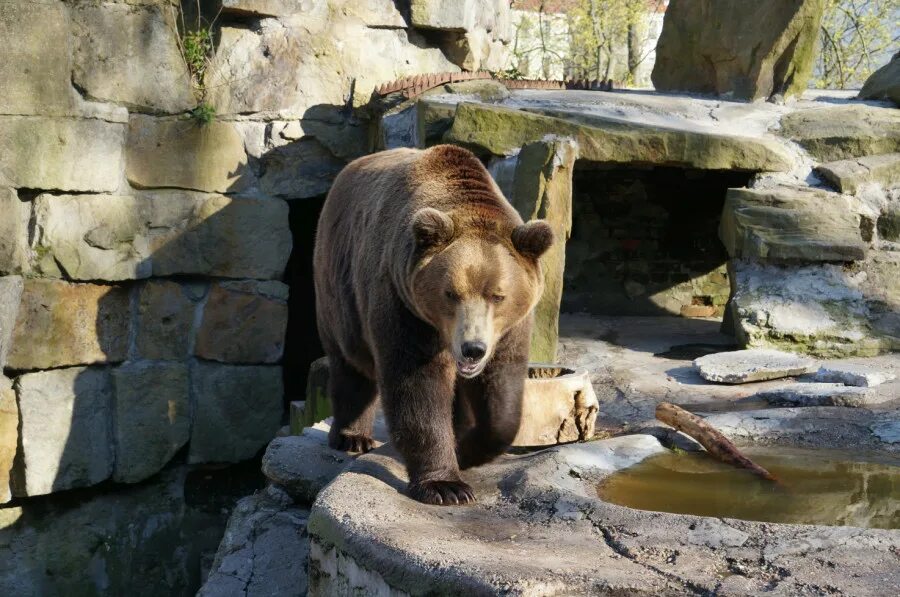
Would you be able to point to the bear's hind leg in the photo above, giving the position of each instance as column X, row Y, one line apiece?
column 353, row 401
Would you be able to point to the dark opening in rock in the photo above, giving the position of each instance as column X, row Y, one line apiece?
column 302, row 345
column 645, row 241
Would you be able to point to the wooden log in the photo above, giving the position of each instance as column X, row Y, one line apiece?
column 709, row 437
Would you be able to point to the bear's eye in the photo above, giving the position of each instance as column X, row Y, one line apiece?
column 451, row 295
column 497, row 298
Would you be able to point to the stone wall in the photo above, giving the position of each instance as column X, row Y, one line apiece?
column 143, row 295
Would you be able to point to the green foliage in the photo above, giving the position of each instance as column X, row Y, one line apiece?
column 857, row 37
column 203, row 113
column 196, row 43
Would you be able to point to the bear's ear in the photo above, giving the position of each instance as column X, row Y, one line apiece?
column 432, row 227
column 532, row 239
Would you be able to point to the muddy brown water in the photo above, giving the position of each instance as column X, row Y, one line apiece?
column 825, row 487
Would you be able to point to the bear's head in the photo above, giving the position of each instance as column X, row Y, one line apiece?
column 473, row 286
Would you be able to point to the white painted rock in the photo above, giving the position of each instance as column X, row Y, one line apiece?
column 744, row 366
column 852, row 375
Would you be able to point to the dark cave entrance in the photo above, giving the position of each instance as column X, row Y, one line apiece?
column 302, row 344
column 645, row 241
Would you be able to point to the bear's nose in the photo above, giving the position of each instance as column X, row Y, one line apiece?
column 473, row 351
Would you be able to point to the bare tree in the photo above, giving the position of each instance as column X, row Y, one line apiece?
column 858, row 36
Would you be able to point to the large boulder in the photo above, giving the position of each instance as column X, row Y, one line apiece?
column 152, row 417
column 9, row 436
column 503, row 131
column 61, row 324
column 844, row 132
column 185, row 154
column 36, row 66
column 787, row 223
column 884, row 84
column 13, row 232
column 129, row 55
column 10, row 296
column 237, row 411
column 81, row 155
column 737, row 49
column 160, row 233
column 243, row 322
column 66, row 421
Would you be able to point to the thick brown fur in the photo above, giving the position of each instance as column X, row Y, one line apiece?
column 418, row 252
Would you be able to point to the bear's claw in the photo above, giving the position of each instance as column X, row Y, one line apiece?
column 442, row 493
column 351, row 442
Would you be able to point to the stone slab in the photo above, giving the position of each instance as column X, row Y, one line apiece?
column 165, row 319
column 848, row 175
column 13, row 232
column 160, row 233
column 264, row 549
column 80, row 155
column 36, row 74
column 789, row 224
column 66, row 442
column 10, row 297
column 303, row 464
column 844, row 132
column 862, row 376
column 61, row 324
column 817, row 394
column 130, row 56
column 744, row 366
column 237, row 411
column 9, row 436
column 243, row 322
column 152, row 417
column 502, row 131
column 182, row 153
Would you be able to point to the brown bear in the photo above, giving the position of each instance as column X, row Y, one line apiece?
column 426, row 278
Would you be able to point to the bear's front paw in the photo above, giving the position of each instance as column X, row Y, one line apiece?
column 351, row 442
column 442, row 493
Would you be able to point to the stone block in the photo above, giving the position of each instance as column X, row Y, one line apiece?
column 10, row 299
column 13, row 232
column 61, row 324
column 884, row 84
column 862, row 376
column 129, row 55
column 819, row 394
column 238, row 411
column 244, row 322
column 848, row 175
column 501, row 130
column 182, row 153
column 790, row 224
column 79, row 155
column 9, row 436
column 161, row 233
column 165, row 320
column 744, row 366
column 542, row 189
column 152, row 417
column 36, row 65
column 299, row 170
column 755, row 50
column 65, row 429
column 844, row 132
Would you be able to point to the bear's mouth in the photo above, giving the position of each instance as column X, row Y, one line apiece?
column 467, row 370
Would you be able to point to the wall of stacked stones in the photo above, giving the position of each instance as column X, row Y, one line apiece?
column 143, row 303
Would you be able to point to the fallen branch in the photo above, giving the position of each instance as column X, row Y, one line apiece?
column 709, row 437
